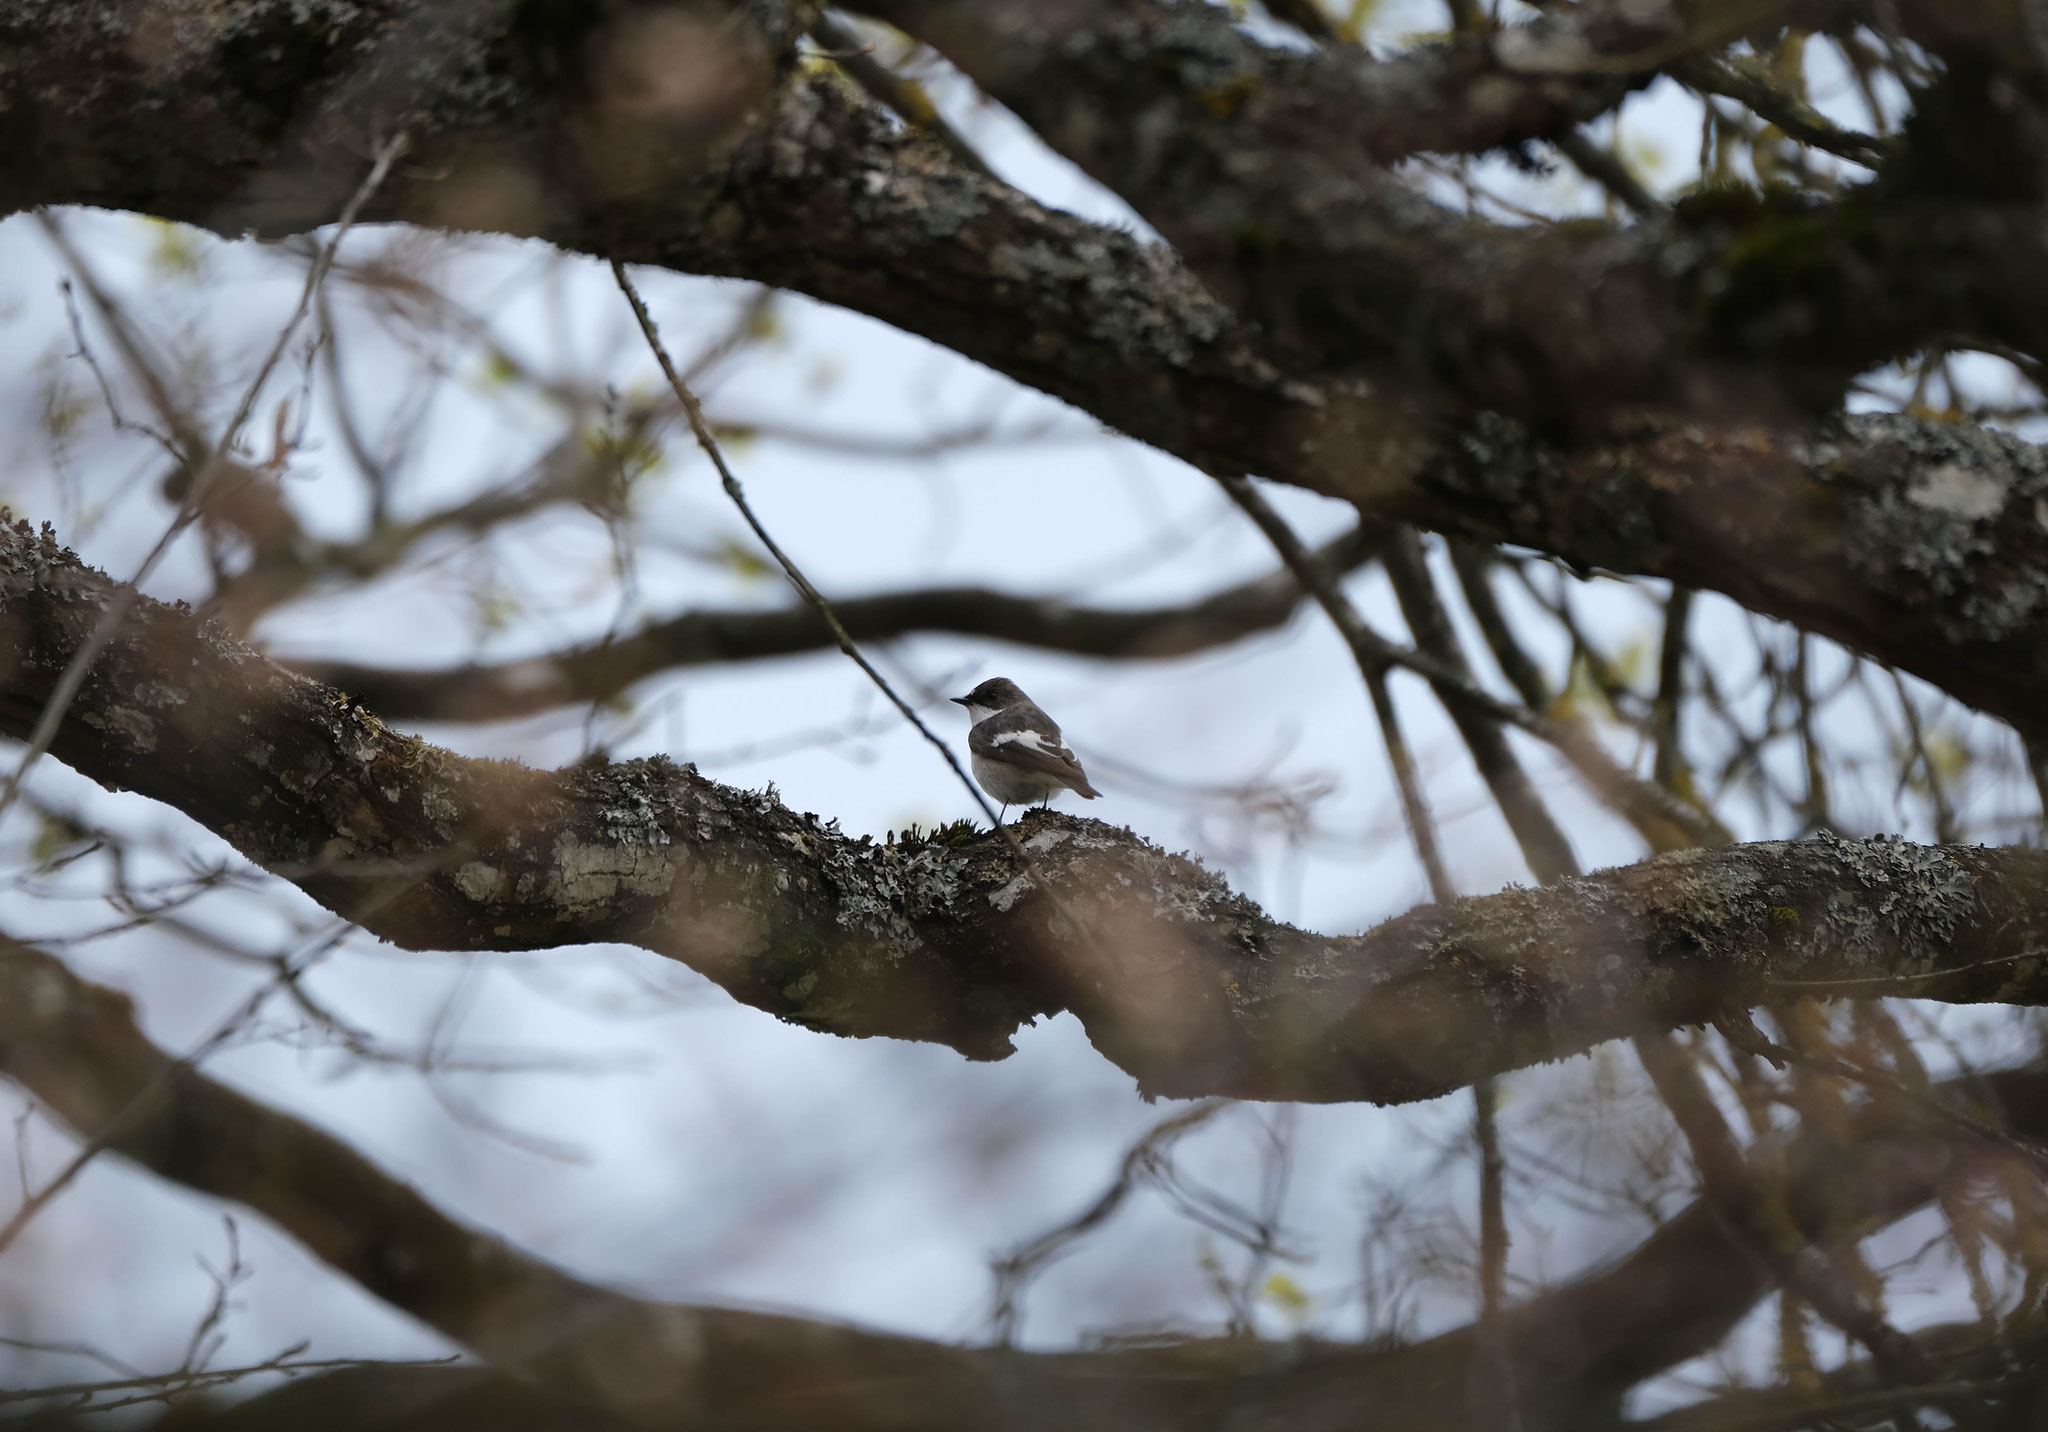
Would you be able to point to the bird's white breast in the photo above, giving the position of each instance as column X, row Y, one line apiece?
column 1009, row 783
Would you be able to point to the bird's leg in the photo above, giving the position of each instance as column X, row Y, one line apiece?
column 1005, row 814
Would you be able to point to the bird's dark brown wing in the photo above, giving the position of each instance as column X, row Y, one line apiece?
column 1028, row 749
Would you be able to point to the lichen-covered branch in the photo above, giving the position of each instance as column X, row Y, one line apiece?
column 76, row 1047
column 1913, row 540
column 1481, row 91
column 1916, row 541
column 1265, row 167
column 1184, row 984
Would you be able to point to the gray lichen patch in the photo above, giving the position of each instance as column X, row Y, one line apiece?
column 480, row 882
column 588, row 877
column 1944, row 517
column 158, row 695
column 1959, row 492
column 1914, row 894
column 1012, row 891
column 124, row 721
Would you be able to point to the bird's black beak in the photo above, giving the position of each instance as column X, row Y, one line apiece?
column 961, row 700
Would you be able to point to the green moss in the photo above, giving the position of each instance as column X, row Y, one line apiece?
column 1223, row 101
column 1722, row 204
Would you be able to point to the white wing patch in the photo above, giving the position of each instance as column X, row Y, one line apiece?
column 1032, row 740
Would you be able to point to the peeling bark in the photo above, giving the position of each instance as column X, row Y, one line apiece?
column 1189, row 987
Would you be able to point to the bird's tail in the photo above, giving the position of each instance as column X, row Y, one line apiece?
column 1085, row 791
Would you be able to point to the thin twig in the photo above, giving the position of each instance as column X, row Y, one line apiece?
column 1937, row 793
column 1735, row 1191
column 121, row 1124
column 705, row 440
column 1744, row 1035
column 1474, row 562
column 904, row 96
column 196, row 495
column 1605, row 168
column 1544, row 846
column 1142, row 1162
column 181, row 437
column 1665, row 821
column 164, row 1385
column 289, row 967
column 1794, row 118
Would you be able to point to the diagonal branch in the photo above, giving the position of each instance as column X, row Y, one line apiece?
column 1666, row 823
column 1742, row 1199
column 1745, row 82
column 1545, row 848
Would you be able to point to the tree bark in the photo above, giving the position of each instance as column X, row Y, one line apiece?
column 1914, row 541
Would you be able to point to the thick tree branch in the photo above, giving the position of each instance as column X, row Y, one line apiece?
column 601, row 671
column 1485, row 90
column 1265, row 168
column 1910, row 540
column 76, row 1047
column 1189, row 987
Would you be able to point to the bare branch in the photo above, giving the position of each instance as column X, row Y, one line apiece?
column 1666, row 823
column 1744, row 82
column 216, row 461
column 601, row 671
column 1544, row 846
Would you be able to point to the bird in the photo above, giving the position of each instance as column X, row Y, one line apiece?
column 1015, row 748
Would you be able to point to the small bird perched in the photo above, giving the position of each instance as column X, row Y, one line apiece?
column 1015, row 748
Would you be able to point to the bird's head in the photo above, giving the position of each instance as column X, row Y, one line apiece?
column 998, row 693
